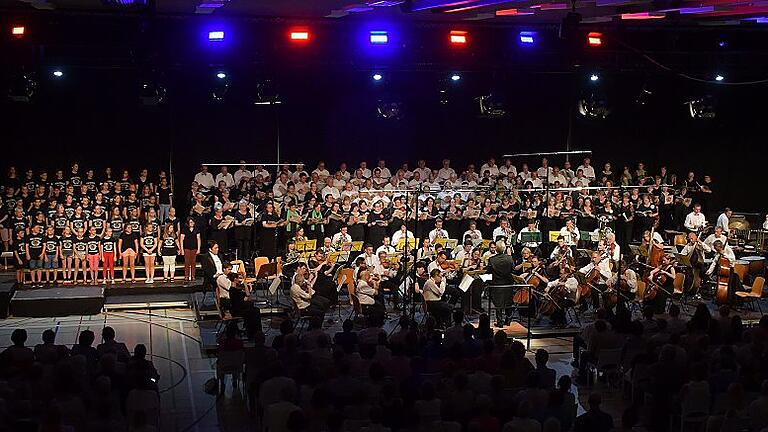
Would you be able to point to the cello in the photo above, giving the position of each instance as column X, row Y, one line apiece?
column 723, row 277
column 521, row 296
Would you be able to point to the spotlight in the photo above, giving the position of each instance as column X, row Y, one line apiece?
column 18, row 31
column 455, row 77
column 379, row 37
column 22, row 88
column 719, row 78
column 58, row 73
column 216, row 36
column 595, row 39
column 491, row 106
column 594, row 77
column 458, row 37
column 221, row 75
column 702, row 108
column 722, row 43
column 299, row 35
column 377, row 77
column 527, row 37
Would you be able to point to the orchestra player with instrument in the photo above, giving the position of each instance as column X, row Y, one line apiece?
column 722, row 267
column 695, row 221
column 560, row 295
column 529, row 228
column 570, row 233
column 561, row 256
column 596, row 275
column 433, row 291
column 660, row 284
column 449, row 274
column 369, row 293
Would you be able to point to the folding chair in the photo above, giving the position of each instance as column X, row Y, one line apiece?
column 754, row 295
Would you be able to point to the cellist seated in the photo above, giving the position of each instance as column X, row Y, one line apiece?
column 724, row 253
column 560, row 295
column 597, row 274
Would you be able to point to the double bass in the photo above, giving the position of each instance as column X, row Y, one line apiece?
column 521, row 296
column 723, row 278
column 553, row 300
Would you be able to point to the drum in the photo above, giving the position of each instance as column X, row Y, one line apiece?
column 741, row 268
column 756, row 264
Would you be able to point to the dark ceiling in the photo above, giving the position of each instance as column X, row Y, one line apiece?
column 728, row 12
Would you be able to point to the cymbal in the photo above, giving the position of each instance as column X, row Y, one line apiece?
column 739, row 224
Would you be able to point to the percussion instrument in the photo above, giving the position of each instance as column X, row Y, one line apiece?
column 756, row 264
column 741, row 268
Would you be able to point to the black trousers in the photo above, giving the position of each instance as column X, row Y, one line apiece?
column 317, row 306
column 502, row 301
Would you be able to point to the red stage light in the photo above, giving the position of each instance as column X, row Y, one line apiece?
column 595, row 39
column 18, row 31
column 458, row 37
column 300, row 35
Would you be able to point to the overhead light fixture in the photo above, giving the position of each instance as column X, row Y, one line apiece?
column 702, row 108
column 595, row 39
column 216, row 36
column 594, row 77
column 458, row 37
column 527, row 37
column 58, row 73
column 379, row 37
column 719, row 78
column 455, row 77
column 299, row 35
column 18, row 31
column 377, row 77
column 221, row 75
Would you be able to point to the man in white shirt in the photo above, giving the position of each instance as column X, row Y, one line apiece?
column 491, row 167
column 223, row 285
column 433, row 291
column 721, row 250
column 345, row 175
column 570, row 284
column 724, row 220
column 280, row 187
column 557, row 177
column 695, row 220
column 504, row 232
column 604, row 271
column 536, row 182
column 422, row 169
column 570, row 233
column 386, row 247
column 204, row 178
column 302, row 293
column 330, row 190
column 508, row 168
column 472, row 233
column 567, row 171
column 587, row 169
column 464, row 253
column 371, row 259
column 242, row 173
column 544, row 170
column 340, row 238
column 259, row 170
column 402, row 233
column 446, row 171
column 383, row 170
column 612, row 248
column 712, row 238
column 225, row 177
column 367, row 291
column 438, row 232
column 580, row 179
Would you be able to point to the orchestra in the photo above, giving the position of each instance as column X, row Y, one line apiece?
column 452, row 238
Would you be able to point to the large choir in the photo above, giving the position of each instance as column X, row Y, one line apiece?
column 542, row 241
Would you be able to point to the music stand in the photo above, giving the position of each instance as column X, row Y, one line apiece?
column 531, row 237
column 265, row 272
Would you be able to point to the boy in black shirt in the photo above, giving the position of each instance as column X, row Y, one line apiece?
column 51, row 254
column 35, row 255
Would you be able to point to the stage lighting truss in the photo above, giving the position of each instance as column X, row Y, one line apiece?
column 594, row 105
column 491, row 105
column 151, row 93
column 702, row 108
column 390, row 109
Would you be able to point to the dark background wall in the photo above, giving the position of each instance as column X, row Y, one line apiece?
column 92, row 115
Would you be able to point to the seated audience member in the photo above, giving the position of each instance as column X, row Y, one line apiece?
column 110, row 347
column 48, row 352
column 17, row 358
column 546, row 375
column 595, row 419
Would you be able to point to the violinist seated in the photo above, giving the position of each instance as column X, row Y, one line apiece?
column 433, row 291
column 438, row 232
column 464, row 253
column 387, row 273
column 561, row 256
column 662, row 280
column 472, row 298
column 369, row 294
column 612, row 248
column 597, row 273
column 563, row 292
column 449, row 275
column 304, row 296
column 323, row 282
column 523, row 263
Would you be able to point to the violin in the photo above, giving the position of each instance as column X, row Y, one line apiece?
column 449, row 265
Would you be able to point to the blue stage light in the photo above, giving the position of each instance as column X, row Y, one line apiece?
column 379, row 37
column 377, row 77
column 527, row 37
column 216, row 36
column 221, row 75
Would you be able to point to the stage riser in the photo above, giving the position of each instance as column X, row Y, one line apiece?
column 56, row 302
